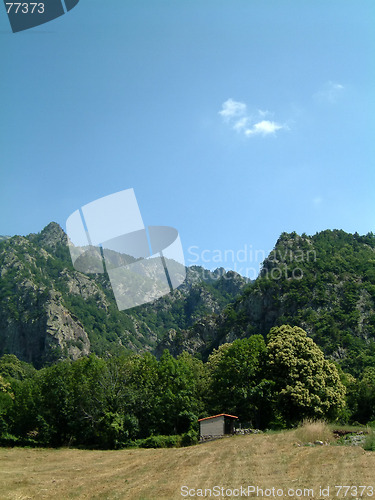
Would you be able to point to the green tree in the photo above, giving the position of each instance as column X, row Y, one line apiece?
column 12, row 367
column 145, row 383
column 6, row 400
column 236, row 380
column 103, row 402
column 87, row 402
column 362, row 397
column 23, row 414
column 55, row 403
column 177, row 402
column 305, row 383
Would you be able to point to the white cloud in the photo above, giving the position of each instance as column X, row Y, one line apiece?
column 241, row 123
column 263, row 114
column 265, row 127
column 329, row 93
column 236, row 115
column 233, row 109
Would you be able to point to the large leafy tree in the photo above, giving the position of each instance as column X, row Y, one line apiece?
column 306, row 385
column 106, row 398
column 361, row 396
column 6, row 399
column 176, row 396
column 236, row 380
column 87, row 402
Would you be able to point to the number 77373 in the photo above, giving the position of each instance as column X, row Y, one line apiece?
column 25, row 8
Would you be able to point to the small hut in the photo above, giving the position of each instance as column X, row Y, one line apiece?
column 216, row 426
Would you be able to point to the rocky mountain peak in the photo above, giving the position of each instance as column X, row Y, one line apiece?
column 52, row 236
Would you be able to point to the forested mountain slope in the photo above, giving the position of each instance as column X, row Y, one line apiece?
column 324, row 283
column 50, row 311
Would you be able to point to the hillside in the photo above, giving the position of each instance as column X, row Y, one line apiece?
column 265, row 460
column 50, row 311
column 324, row 283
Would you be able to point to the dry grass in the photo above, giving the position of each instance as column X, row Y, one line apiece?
column 314, row 430
column 262, row 460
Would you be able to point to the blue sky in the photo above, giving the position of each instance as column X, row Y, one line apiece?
column 232, row 120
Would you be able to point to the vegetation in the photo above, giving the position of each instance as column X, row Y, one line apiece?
column 237, row 386
column 306, row 385
column 137, row 400
column 311, row 431
column 36, row 271
column 264, row 460
column 324, row 284
column 369, row 444
column 297, row 343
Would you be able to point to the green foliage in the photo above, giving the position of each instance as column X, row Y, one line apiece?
column 361, row 397
column 174, row 441
column 236, row 384
column 137, row 400
column 369, row 444
column 37, row 270
column 6, row 401
column 306, row 384
column 178, row 402
column 190, row 438
column 159, row 441
column 104, row 403
column 12, row 367
column 324, row 284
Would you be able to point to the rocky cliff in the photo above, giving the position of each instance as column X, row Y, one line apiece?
column 50, row 311
column 324, row 283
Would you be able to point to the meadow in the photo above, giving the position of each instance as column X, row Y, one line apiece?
column 280, row 461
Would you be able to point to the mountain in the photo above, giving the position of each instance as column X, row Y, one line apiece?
column 50, row 311
column 323, row 283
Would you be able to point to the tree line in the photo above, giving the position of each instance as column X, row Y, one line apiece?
column 136, row 399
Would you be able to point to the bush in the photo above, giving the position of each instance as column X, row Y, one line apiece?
column 189, row 438
column 159, row 442
column 369, row 444
column 310, row 431
column 9, row 440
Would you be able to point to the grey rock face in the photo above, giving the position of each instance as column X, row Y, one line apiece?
column 50, row 311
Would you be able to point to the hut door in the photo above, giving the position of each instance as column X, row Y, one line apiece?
column 228, row 426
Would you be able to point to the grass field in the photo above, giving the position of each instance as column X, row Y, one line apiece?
column 263, row 460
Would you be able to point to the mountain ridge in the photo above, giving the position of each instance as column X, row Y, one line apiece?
column 50, row 311
column 323, row 283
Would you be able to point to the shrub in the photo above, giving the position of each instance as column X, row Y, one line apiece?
column 189, row 438
column 159, row 442
column 310, row 431
column 369, row 443
column 9, row 440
